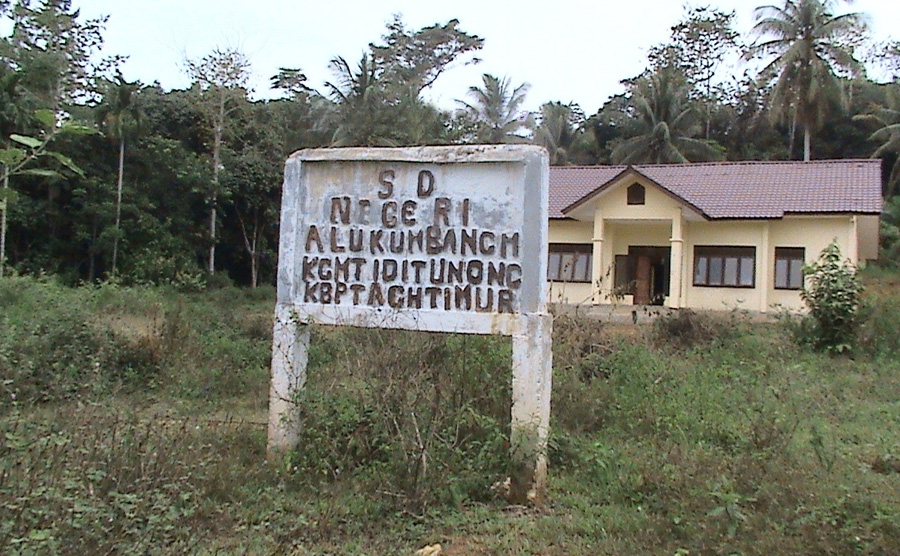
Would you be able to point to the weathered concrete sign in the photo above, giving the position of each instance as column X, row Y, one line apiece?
column 449, row 239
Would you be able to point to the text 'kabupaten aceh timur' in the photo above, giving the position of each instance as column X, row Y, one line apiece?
column 409, row 253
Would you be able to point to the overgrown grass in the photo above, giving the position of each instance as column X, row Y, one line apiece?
column 133, row 422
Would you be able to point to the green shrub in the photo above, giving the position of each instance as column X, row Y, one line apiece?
column 832, row 293
column 424, row 418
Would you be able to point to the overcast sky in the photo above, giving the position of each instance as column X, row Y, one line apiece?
column 568, row 50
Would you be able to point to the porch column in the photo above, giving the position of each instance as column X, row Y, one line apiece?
column 764, row 270
column 676, row 266
column 853, row 241
column 597, row 273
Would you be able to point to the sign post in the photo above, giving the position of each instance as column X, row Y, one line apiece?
column 440, row 239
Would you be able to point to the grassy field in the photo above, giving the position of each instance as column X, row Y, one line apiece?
column 133, row 422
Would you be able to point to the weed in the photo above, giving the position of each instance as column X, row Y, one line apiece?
column 824, row 450
column 733, row 441
column 406, row 414
column 729, row 504
column 686, row 329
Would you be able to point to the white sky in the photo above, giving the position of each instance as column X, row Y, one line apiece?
column 568, row 50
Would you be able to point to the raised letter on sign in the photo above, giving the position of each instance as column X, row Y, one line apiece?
column 385, row 179
column 426, row 183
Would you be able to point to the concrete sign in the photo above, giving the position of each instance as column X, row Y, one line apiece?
column 448, row 239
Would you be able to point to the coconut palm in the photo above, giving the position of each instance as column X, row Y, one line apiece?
column 114, row 115
column 888, row 118
column 805, row 38
column 356, row 98
column 497, row 109
column 663, row 124
column 559, row 129
column 370, row 110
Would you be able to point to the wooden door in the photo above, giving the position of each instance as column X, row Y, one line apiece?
column 642, row 280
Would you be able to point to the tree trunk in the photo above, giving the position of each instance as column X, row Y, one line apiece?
column 212, row 236
column 4, row 204
column 218, row 128
column 92, row 253
column 254, row 253
column 807, row 138
column 115, row 253
column 252, row 246
column 793, row 135
column 217, row 141
column 708, row 118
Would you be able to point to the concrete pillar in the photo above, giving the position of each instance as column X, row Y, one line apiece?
column 598, row 272
column 290, row 354
column 531, row 386
column 853, row 241
column 765, row 269
column 676, row 266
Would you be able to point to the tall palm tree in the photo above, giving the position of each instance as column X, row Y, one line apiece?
column 497, row 109
column 114, row 114
column 888, row 118
column 371, row 110
column 806, row 39
column 663, row 125
column 359, row 104
column 559, row 128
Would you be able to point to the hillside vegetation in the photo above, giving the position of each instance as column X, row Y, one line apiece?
column 133, row 422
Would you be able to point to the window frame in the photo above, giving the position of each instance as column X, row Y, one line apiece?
column 623, row 280
column 716, row 258
column 791, row 255
column 580, row 251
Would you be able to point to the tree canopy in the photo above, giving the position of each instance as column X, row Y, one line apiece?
column 805, row 39
column 195, row 187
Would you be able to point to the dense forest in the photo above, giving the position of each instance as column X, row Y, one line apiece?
column 106, row 179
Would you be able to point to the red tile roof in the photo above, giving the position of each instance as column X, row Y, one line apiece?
column 738, row 190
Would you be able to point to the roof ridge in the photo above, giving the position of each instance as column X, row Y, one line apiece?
column 764, row 162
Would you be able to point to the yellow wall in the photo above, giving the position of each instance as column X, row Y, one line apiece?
column 737, row 234
column 570, row 231
column 813, row 233
column 657, row 204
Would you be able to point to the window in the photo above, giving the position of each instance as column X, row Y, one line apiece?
column 789, row 267
column 570, row 262
column 728, row 267
column 636, row 194
column 624, row 278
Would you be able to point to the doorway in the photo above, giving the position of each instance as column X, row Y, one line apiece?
column 646, row 273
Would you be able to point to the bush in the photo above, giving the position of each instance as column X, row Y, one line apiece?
column 833, row 294
column 686, row 329
column 422, row 417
